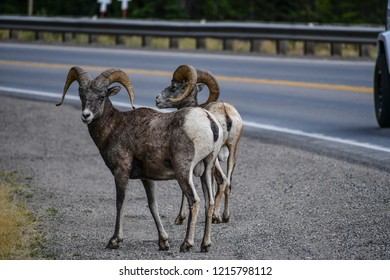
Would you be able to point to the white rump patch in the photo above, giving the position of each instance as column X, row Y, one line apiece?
column 197, row 126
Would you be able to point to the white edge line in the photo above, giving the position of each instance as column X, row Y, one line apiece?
column 25, row 92
column 317, row 136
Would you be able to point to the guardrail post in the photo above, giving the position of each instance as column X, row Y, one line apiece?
column 146, row 41
column 228, row 44
column 119, row 40
column 92, row 38
column 39, row 36
column 309, row 48
column 364, row 50
column 174, row 43
column 14, row 34
column 201, row 43
column 281, row 47
column 335, row 49
column 255, row 45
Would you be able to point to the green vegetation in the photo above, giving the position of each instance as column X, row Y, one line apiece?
column 18, row 237
column 298, row 11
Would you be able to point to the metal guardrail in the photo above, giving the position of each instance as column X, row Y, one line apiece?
column 227, row 32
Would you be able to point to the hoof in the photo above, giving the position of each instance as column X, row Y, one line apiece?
column 114, row 243
column 179, row 220
column 163, row 245
column 217, row 220
column 185, row 247
column 112, row 246
column 205, row 248
column 226, row 219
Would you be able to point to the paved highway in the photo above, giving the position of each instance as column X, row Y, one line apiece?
column 329, row 101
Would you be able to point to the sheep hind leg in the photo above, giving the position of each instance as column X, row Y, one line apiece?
column 187, row 186
column 231, row 163
column 198, row 171
column 222, row 182
column 207, row 186
column 182, row 213
column 153, row 207
column 226, row 212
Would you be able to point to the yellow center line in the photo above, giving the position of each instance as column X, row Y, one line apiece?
column 297, row 84
column 221, row 78
column 89, row 68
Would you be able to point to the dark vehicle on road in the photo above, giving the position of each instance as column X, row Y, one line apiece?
column 382, row 76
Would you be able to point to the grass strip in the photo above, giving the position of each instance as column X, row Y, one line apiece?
column 18, row 237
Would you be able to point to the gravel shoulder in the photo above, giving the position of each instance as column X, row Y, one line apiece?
column 287, row 202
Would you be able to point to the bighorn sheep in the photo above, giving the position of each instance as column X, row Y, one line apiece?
column 149, row 145
column 183, row 93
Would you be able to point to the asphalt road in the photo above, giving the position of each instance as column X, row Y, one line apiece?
column 264, row 89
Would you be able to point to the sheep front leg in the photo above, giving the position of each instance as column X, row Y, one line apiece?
column 153, row 207
column 222, row 182
column 120, row 185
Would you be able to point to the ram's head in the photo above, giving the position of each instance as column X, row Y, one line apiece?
column 94, row 92
column 185, row 85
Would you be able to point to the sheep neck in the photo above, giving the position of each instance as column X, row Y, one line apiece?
column 188, row 102
column 102, row 127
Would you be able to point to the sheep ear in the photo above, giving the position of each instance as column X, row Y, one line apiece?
column 113, row 90
column 199, row 87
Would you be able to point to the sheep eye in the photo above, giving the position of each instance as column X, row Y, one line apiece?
column 173, row 87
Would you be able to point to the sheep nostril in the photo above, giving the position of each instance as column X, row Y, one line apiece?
column 86, row 114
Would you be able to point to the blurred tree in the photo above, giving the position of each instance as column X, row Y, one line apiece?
column 321, row 11
column 358, row 11
column 66, row 8
column 163, row 9
column 13, row 7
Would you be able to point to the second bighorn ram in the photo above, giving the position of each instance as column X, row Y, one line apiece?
column 182, row 93
column 149, row 145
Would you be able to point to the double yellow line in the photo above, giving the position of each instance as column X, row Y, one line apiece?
column 221, row 78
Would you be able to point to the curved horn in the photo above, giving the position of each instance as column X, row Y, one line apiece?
column 75, row 73
column 207, row 78
column 184, row 73
column 116, row 75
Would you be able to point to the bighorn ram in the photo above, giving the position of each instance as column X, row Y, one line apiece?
column 182, row 93
column 149, row 145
